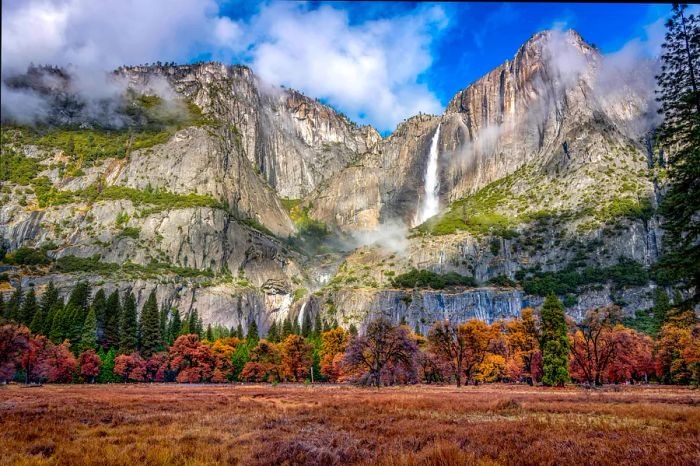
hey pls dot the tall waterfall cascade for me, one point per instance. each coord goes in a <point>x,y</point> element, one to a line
<point>430,204</point>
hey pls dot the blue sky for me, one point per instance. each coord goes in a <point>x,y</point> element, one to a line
<point>377,62</point>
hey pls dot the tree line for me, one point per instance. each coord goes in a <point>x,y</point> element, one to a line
<point>102,338</point>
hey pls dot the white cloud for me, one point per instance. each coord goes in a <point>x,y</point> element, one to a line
<point>369,70</point>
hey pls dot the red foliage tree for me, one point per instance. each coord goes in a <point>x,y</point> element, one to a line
<point>14,342</point>
<point>90,364</point>
<point>191,359</point>
<point>382,350</point>
<point>157,367</point>
<point>55,363</point>
<point>131,367</point>
<point>634,359</point>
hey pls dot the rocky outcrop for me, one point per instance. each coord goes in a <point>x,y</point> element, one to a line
<point>294,141</point>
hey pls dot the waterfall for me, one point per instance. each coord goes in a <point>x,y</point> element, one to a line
<point>301,314</point>
<point>431,202</point>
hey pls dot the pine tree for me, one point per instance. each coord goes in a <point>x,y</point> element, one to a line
<point>113,313</point>
<point>2,307</point>
<point>49,303</point>
<point>72,322</point>
<point>99,306</point>
<point>29,307</point>
<point>352,330</point>
<point>679,97</point>
<point>164,314</point>
<point>192,320</point>
<point>318,326</point>
<point>252,336</point>
<point>175,327</point>
<point>209,333</point>
<point>128,330</point>
<point>200,327</point>
<point>306,327</point>
<point>88,337</point>
<point>555,343</point>
<point>57,332</point>
<point>661,307</point>
<point>273,333</point>
<point>296,328</point>
<point>80,298</point>
<point>287,328</point>
<point>14,305</point>
<point>239,331</point>
<point>151,339</point>
<point>38,321</point>
<point>417,331</point>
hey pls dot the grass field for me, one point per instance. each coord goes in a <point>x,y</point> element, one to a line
<point>230,424</point>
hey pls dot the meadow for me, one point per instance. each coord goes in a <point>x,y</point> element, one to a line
<point>120,424</point>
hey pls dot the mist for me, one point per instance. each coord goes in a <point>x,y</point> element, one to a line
<point>82,97</point>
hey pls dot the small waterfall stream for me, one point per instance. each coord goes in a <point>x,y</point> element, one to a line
<point>430,204</point>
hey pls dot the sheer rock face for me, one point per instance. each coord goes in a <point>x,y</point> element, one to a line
<point>294,141</point>
<point>556,108</point>
<point>556,103</point>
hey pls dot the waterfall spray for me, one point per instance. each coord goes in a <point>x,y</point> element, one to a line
<point>431,202</point>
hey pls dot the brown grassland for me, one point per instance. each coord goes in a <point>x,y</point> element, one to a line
<point>294,424</point>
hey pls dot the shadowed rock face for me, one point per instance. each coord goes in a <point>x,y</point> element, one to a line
<point>294,141</point>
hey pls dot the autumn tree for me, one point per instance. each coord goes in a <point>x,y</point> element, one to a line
<point>131,367</point>
<point>554,343</point>
<point>90,364</point>
<point>191,359</point>
<point>264,364</point>
<point>476,336</point>
<point>595,343</point>
<point>14,341</point>
<point>334,342</point>
<point>382,345</point>
<point>679,97</point>
<point>56,363</point>
<point>448,344</point>
<point>223,350</point>
<point>296,355</point>
<point>522,337</point>
<point>634,358</point>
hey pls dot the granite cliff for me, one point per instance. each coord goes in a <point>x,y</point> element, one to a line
<point>262,203</point>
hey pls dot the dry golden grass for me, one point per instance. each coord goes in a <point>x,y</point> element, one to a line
<point>231,424</point>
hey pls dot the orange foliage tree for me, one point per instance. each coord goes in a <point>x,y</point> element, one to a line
<point>334,342</point>
<point>297,357</point>
<point>264,365</point>
<point>522,338</point>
